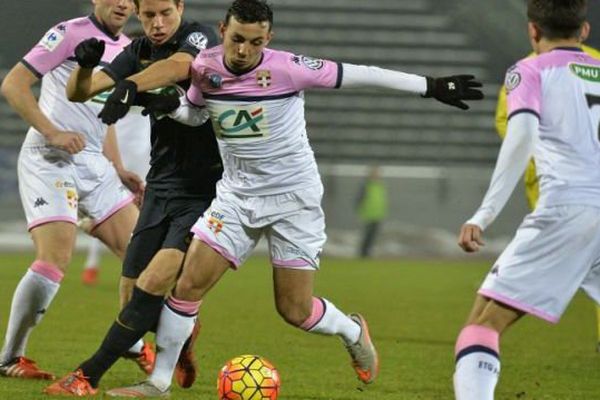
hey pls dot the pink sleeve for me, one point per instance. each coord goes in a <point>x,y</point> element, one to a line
<point>523,89</point>
<point>194,93</point>
<point>306,72</point>
<point>51,51</point>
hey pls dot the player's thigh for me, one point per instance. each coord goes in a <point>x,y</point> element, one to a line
<point>54,242</point>
<point>115,232</point>
<point>492,314</point>
<point>162,271</point>
<point>547,261</point>
<point>47,188</point>
<point>225,228</point>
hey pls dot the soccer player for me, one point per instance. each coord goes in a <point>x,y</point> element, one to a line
<point>63,170</point>
<point>554,113</point>
<point>532,187</point>
<point>271,185</point>
<point>185,166</point>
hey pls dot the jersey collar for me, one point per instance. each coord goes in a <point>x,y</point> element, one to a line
<point>102,28</point>
<point>568,48</point>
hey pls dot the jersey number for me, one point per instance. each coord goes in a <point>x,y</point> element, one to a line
<point>592,101</point>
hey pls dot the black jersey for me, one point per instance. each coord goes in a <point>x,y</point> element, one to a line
<point>183,158</point>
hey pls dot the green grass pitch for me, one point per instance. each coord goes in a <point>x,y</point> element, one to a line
<point>415,310</point>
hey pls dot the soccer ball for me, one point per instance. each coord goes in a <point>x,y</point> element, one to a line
<point>248,377</point>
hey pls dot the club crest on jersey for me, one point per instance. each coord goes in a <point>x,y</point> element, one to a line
<point>198,40</point>
<point>513,79</point>
<point>263,78</point>
<point>586,72</point>
<point>215,81</point>
<point>52,38</point>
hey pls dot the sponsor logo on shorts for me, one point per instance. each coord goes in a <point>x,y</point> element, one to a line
<point>39,202</point>
<point>215,221</point>
<point>63,184</point>
<point>495,270</point>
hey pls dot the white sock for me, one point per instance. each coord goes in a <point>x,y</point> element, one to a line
<point>326,319</point>
<point>477,363</point>
<point>137,347</point>
<point>94,253</point>
<point>173,331</point>
<point>31,298</point>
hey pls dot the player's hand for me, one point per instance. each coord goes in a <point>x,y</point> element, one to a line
<point>470,238</point>
<point>452,90</point>
<point>132,182</point>
<point>71,142</point>
<point>89,52</point>
<point>158,104</point>
<point>118,103</point>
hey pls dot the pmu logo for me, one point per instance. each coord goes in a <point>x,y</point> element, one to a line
<point>234,122</point>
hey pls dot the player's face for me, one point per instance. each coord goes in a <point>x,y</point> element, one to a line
<point>160,19</point>
<point>113,13</point>
<point>243,43</point>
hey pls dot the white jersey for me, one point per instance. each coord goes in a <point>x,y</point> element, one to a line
<point>562,88</point>
<point>53,59</point>
<point>258,118</point>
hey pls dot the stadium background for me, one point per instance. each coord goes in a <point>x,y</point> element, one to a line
<point>436,160</point>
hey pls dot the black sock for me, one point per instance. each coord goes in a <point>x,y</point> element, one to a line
<point>138,316</point>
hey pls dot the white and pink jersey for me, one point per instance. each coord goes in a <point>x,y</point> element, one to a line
<point>562,89</point>
<point>53,59</point>
<point>258,118</point>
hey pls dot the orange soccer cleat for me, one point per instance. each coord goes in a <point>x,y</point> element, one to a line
<point>365,360</point>
<point>144,359</point>
<point>74,384</point>
<point>89,276</point>
<point>186,367</point>
<point>21,367</point>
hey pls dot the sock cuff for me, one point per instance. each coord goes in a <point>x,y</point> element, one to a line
<point>183,307</point>
<point>477,338</point>
<point>318,310</point>
<point>47,270</point>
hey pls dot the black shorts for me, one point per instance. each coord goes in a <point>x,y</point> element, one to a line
<point>164,223</point>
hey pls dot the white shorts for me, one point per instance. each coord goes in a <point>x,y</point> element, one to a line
<point>555,251</point>
<point>133,138</point>
<point>293,223</point>
<point>57,187</point>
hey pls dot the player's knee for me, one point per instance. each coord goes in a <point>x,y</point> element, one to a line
<point>157,281</point>
<point>60,258</point>
<point>293,312</point>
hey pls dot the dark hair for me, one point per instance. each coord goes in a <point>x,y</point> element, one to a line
<point>558,19</point>
<point>137,3</point>
<point>250,11</point>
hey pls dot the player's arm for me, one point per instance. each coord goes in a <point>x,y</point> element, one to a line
<point>111,151</point>
<point>515,152</point>
<point>164,72</point>
<point>451,90</point>
<point>17,89</point>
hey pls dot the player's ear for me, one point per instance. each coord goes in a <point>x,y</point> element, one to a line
<point>180,7</point>
<point>585,31</point>
<point>222,28</point>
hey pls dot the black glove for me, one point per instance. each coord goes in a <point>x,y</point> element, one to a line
<point>89,52</point>
<point>157,104</point>
<point>119,101</point>
<point>453,89</point>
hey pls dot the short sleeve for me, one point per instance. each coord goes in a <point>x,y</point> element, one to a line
<point>52,50</point>
<point>523,89</point>
<point>306,72</point>
<point>197,38</point>
<point>124,64</point>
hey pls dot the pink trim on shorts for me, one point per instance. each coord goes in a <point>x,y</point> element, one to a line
<point>318,310</point>
<point>114,210</point>
<point>199,235</point>
<point>291,263</point>
<point>519,306</point>
<point>184,306</point>
<point>473,335</point>
<point>47,270</point>
<point>44,221</point>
